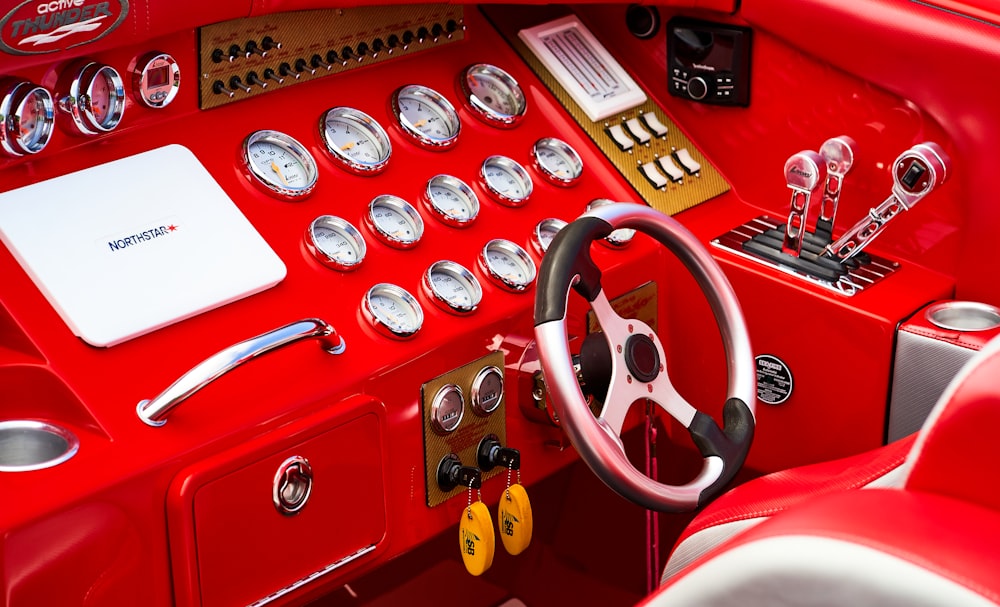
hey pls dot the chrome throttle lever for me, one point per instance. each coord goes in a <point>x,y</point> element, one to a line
<point>803,172</point>
<point>838,152</point>
<point>915,173</point>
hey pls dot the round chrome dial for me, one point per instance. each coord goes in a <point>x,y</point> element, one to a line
<point>507,265</point>
<point>451,201</point>
<point>451,287</point>
<point>355,140</point>
<point>94,97</point>
<point>447,409</point>
<point>487,390</point>
<point>493,95</point>
<point>557,161</point>
<point>621,236</point>
<point>280,165</point>
<point>156,78</point>
<point>506,181</point>
<point>27,116</point>
<point>335,243</point>
<point>394,221</point>
<point>392,311</point>
<point>426,116</point>
<point>545,230</point>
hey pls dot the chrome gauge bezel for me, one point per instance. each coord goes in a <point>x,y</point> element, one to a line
<point>498,275</point>
<point>436,103</point>
<point>156,78</point>
<point>462,191</point>
<point>445,417</point>
<point>378,319</point>
<point>545,230</point>
<point>548,148</point>
<point>456,272</point>
<point>410,231</point>
<point>503,166</point>
<point>484,403</point>
<point>343,228</point>
<point>487,109</point>
<point>16,100</point>
<point>266,180</point>
<point>76,93</point>
<point>368,130</point>
<point>618,238</point>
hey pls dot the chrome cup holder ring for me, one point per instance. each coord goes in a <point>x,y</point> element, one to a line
<point>27,445</point>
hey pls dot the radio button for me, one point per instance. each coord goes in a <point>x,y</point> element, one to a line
<point>697,88</point>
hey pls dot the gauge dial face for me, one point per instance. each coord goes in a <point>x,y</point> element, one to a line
<point>557,161</point>
<point>621,236</point>
<point>451,201</point>
<point>545,230</point>
<point>506,181</point>
<point>493,95</point>
<point>30,115</point>
<point>394,221</point>
<point>507,265</point>
<point>426,116</point>
<point>487,390</point>
<point>280,164</point>
<point>392,311</point>
<point>335,243</point>
<point>447,409</point>
<point>94,96</point>
<point>355,140</point>
<point>156,78</point>
<point>452,287</point>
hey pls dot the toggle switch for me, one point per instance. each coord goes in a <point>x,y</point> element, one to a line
<point>491,454</point>
<point>451,473</point>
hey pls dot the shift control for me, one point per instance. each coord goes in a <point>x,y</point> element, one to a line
<point>838,153</point>
<point>803,172</point>
<point>451,473</point>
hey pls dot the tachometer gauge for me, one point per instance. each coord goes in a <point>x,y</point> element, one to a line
<point>355,140</point>
<point>394,221</point>
<point>335,243</point>
<point>621,236</point>
<point>27,115</point>
<point>94,97</point>
<point>451,201</point>
<point>280,165</point>
<point>557,161</point>
<point>492,95</point>
<point>506,181</point>
<point>392,311</point>
<point>451,287</point>
<point>426,116</point>
<point>507,265</point>
<point>545,230</point>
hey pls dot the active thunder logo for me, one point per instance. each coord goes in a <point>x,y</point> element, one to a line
<point>48,26</point>
<point>139,238</point>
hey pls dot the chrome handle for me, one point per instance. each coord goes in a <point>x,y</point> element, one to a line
<point>154,412</point>
<point>292,485</point>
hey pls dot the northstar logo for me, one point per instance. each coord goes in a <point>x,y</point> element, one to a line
<point>140,237</point>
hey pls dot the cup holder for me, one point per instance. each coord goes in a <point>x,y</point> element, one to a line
<point>33,445</point>
<point>964,316</point>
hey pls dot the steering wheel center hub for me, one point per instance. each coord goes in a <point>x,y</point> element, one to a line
<point>642,358</point>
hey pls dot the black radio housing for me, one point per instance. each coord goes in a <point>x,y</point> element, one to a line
<point>708,62</point>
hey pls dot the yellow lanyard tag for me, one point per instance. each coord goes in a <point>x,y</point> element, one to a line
<point>515,519</point>
<point>476,538</point>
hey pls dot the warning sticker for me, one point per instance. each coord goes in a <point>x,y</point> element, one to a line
<point>774,380</point>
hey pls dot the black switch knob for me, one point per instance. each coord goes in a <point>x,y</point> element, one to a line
<point>451,473</point>
<point>491,454</point>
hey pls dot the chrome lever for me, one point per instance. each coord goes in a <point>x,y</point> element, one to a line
<point>838,152</point>
<point>915,173</point>
<point>154,412</point>
<point>803,171</point>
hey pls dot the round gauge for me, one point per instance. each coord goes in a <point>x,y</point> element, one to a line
<point>451,201</point>
<point>545,230</point>
<point>28,114</point>
<point>507,265</point>
<point>355,140</point>
<point>94,96</point>
<point>394,221</point>
<point>493,95</point>
<point>487,390</point>
<point>426,116</point>
<point>392,311</point>
<point>621,236</point>
<point>557,161</point>
<point>506,181</point>
<point>156,78</point>
<point>447,409</point>
<point>335,243</point>
<point>280,164</point>
<point>452,287</point>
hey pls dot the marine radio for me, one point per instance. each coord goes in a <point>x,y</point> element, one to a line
<point>708,62</point>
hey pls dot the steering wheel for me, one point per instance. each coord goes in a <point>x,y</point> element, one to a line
<point>637,361</point>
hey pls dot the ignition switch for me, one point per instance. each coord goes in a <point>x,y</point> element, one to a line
<point>492,454</point>
<point>451,473</point>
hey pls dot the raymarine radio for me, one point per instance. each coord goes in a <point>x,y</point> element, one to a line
<point>708,62</point>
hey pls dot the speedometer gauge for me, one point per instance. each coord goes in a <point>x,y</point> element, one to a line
<point>394,221</point>
<point>493,95</point>
<point>426,117</point>
<point>27,115</point>
<point>507,265</point>
<point>557,161</point>
<point>451,201</point>
<point>280,165</point>
<point>545,230</point>
<point>335,243</point>
<point>355,140</point>
<point>451,287</point>
<point>619,237</point>
<point>392,311</point>
<point>506,181</point>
